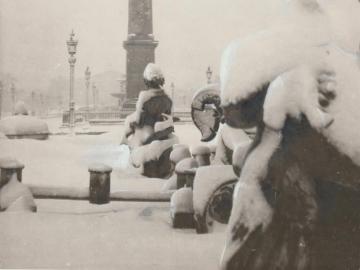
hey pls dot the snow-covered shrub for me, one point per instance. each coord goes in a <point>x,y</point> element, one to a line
<point>19,126</point>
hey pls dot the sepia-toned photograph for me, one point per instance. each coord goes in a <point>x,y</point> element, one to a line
<point>180,135</point>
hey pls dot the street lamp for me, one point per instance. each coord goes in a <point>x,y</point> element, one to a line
<point>94,94</point>
<point>209,74</point>
<point>12,89</point>
<point>172,86</point>
<point>1,91</point>
<point>71,46</point>
<point>33,103</point>
<point>87,84</point>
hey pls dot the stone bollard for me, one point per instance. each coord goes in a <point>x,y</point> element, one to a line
<point>202,155</point>
<point>8,167</point>
<point>99,189</point>
<point>185,171</point>
<point>181,208</point>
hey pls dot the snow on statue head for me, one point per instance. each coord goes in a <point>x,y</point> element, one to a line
<point>20,108</point>
<point>153,76</point>
<point>303,142</point>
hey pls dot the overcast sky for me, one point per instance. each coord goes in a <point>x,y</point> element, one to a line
<point>191,34</point>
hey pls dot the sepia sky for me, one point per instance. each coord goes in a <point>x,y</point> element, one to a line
<point>191,35</point>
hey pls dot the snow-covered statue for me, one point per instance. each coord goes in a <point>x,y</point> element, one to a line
<point>207,116</point>
<point>295,202</point>
<point>149,130</point>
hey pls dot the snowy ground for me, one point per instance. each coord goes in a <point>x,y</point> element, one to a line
<point>122,235</point>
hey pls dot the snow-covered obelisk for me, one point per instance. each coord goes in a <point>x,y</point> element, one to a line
<point>140,49</point>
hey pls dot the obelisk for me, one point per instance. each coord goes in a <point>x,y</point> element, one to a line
<point>140,48</point>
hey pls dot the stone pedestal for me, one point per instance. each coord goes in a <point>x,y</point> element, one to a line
<point>99,189</point>
<point>140,45</point>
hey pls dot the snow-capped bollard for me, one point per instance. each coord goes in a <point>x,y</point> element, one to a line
<point>181,208</point>
<point>202,155</point>
<point>99,189</point>
<point>185,171</point>
<point>8,167</point>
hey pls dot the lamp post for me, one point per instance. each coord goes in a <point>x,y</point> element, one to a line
<point>209,74</point>
<point>87,84</point>
<point>172,86</point>
<point>1,91</point>
<point>32,103</point>
<point>94,95</point>
<point>13,98</point>
<point>71,46</point>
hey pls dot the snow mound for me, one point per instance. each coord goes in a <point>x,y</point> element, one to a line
<point>23,125</point>
<point>182,201</point>
<point>20,108</point>
<point>113,155</point>
<point>16,196</point>
<point>179,153</point>
<point>200,150</point>
<point>152,72</point>
<point>152,151</point>
<point>293,94</point>
<point>248,63</point>
<point>207,180</point>
<point>231,137</point>
<point>2,136</point>
<point>186,165</point>
<point>170,184</point>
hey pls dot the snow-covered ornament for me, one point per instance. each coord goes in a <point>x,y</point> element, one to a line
<point>152,72</point>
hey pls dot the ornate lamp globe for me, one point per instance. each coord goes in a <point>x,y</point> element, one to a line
<point>71,44</point>
<point>209,74</point>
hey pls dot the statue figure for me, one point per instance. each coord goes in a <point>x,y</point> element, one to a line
<point>294,204</point>
<point>295,201</point>
<point>149,130</point>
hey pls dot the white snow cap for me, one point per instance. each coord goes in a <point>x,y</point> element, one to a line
<point>200,150</point>
<point>179,153</point>
<point>249,63</point>
<point>186,165</point>
<point>20,108</point>
<point>182,201</point>
<point>152,72</point>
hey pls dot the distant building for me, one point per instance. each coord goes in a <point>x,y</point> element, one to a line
<point>140,48</point>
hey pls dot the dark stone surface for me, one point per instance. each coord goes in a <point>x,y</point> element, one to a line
<point>314,192</point>
<point>140,45</point>
<point>183,221</point>
<point>99,188</point>
<point>160,168</point>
